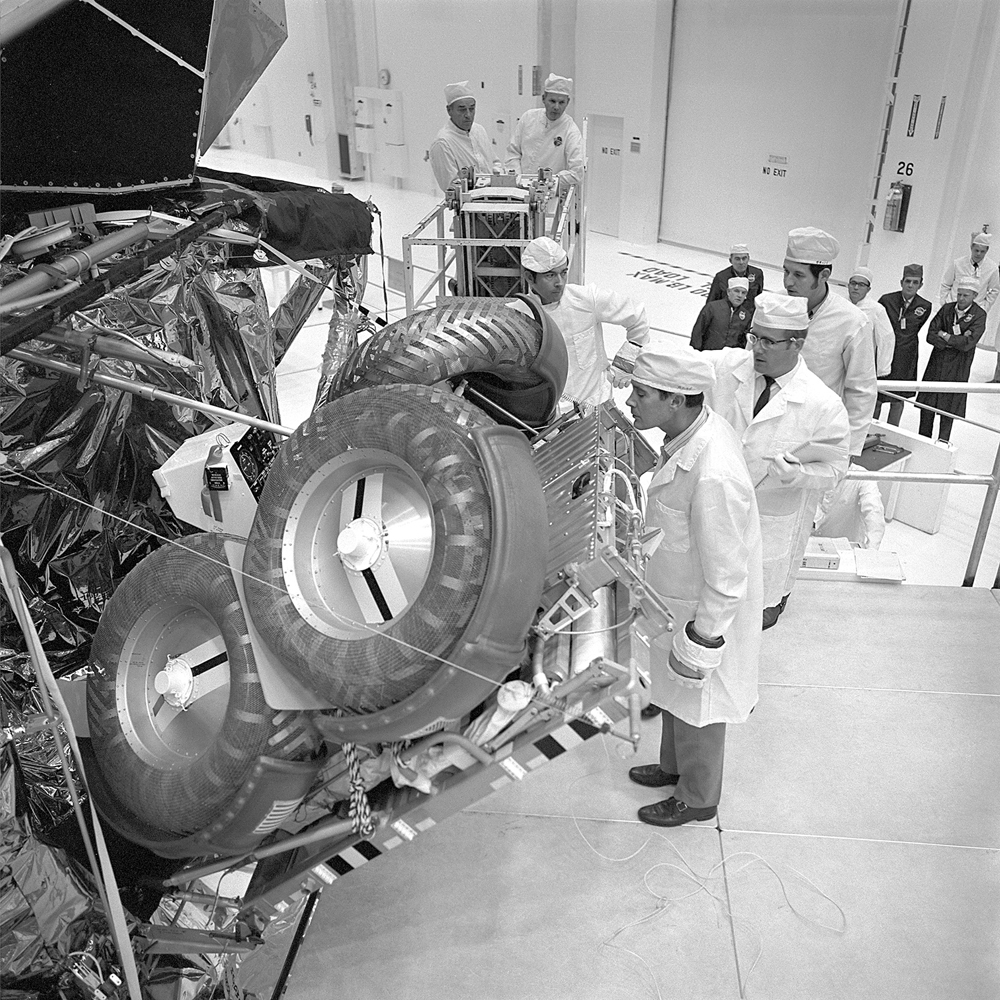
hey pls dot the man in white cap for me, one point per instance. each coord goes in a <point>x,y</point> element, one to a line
<point>578,312</point>
<point>548,137</point>
<point>858,286</point>
<point>987,277</point>
<point>707,568</point>
<point>461,143</point>
<point>794,431</point>
<point>739,267</point>
<point>953,332</point>
<point>974,265</point>
<point>724,322</point>
<point>839,349</point>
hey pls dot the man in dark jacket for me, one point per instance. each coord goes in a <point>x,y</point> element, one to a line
<point>954,332</point>
<point>739,267</point>
<point>907,313</point>
<point>724,323</point>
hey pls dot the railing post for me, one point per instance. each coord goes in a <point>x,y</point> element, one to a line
<point>408,274</point>
<point>985,516</point>
<point>442,252</point>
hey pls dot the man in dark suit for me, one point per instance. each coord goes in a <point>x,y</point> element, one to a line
<point>739,267</point>
<point>954,332</point>
<point>908,312</point>
<point>724,323</point>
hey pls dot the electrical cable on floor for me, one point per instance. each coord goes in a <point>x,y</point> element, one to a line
<point>717,871</point>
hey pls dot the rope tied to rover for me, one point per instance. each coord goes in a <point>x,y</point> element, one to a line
<point>360,810</point>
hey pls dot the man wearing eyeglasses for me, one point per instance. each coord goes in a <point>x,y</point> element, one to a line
<point>795,433</point>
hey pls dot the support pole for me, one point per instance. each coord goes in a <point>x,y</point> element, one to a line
<point>985,516</point>
<point>149,392</point>
<point>38,322</point>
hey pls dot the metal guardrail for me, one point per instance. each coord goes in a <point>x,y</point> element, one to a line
<point>563,229</point>
<point>991,481</point>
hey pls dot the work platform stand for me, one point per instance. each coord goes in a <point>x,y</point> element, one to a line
<point>492,217</point>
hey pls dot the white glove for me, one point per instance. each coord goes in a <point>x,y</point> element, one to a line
<point>785,468</point>
<point>618,378</point>
<point>691,664</point>
<point>680,673</point>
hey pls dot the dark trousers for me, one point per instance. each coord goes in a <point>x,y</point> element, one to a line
<point>895,412</point>
<point>927,425</point>
<point>696,753</point>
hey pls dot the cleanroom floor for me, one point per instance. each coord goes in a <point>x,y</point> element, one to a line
<point>857,851</point>
<point>856,855</point>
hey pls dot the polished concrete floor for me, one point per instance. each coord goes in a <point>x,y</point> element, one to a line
<point>856,854</point>
<point>857,849</point>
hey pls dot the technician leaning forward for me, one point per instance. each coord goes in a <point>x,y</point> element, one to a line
<point>579,311</point>
<point>707,568</point>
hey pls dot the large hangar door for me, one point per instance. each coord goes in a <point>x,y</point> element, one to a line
<point>774,120</point>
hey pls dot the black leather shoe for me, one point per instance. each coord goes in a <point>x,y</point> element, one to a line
<point>670,812</point>
<point>770,617</point>
<point>651,776</point>
<point>651,711</point>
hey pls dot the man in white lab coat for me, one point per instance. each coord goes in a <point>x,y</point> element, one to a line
<point>975,265</point>
<point>987,277</point>
<point>578,311</point>
<point>461,143</point>
<point>858,286</point>
<point>853,510</point>
<point>839,350</point>
<point>707,568</point>
<point>794,431</point>
<point>548,137</point>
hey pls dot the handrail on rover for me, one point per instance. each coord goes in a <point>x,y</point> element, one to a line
<point>564,230</point>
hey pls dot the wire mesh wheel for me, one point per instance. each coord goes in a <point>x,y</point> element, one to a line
<point>176,712</point>
<point>371,543</point>
<point>502,352</point>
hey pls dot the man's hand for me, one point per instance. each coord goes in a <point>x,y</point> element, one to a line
<point>785,468</point>
<point>683,669</point>
<point>618,378</point>
<point>684,675</point>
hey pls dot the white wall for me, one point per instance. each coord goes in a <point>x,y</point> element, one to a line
<point>622,62</point>
<point>950,50</point>
<point>271,120</point>
<point>774,78</point>
<point>425,44</point>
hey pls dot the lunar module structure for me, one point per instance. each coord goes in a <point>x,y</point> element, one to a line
<point>433,575</point>
<point>351,629</point>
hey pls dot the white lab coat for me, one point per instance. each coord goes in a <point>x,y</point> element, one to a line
<point>881,333</point>
<point>579,314</point>
<point>854,511</point>
<point>987,275</point>
<point>454,148</point>
<point>804,411</point>
<point>841,354</point>
<point>536,142</point>
<point>707,568</point>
